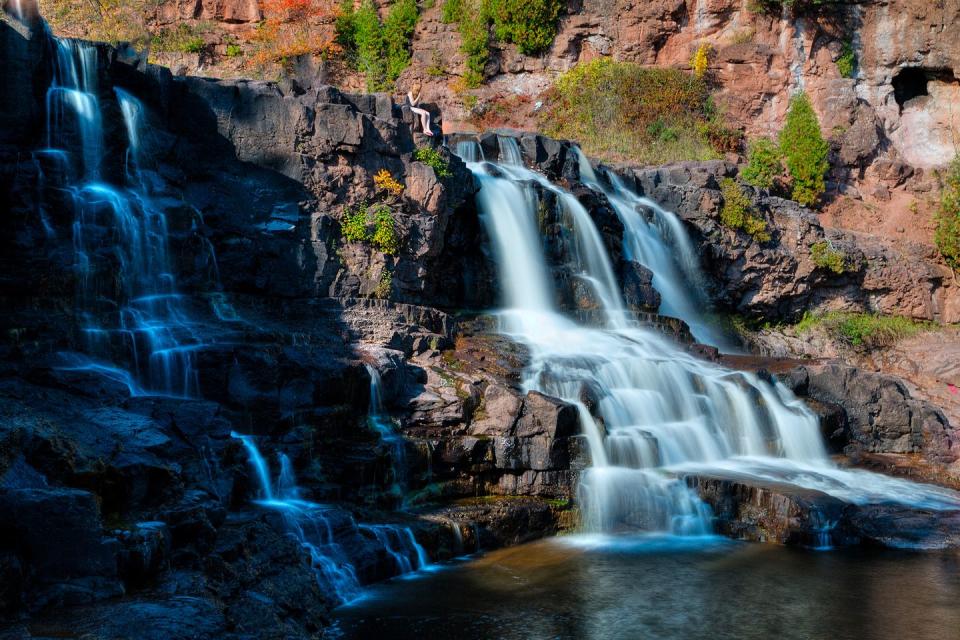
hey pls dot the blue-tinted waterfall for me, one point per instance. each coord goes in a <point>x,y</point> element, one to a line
<point>380,422</point>
<point>316,527</point>
<point>659,412</point>
<point>133,322</point>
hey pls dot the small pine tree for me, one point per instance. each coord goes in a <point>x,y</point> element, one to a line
<point>805,151</point>
<point>947,235</point>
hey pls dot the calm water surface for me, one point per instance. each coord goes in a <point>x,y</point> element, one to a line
<point>661,588</point>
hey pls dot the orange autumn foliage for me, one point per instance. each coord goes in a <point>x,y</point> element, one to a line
<point>292,28</point>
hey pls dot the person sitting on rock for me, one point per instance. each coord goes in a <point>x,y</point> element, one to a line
<point>423,113</point>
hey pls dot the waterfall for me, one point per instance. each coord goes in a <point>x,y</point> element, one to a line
<point>657,412</point>
<point>380,422</point>
<point>314,527</point>
<point>661,244</point>
<point>126,294</point>
<point>305,522</point>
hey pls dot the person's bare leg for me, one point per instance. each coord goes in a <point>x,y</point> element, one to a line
<point>424,119</point>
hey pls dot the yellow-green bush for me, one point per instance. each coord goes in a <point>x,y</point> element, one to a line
<point>866,330</point>
<point>737,212</point>
<point>624,111</point>
<point>947,235</point>
<point>764,164</point>
<point>826,257</point>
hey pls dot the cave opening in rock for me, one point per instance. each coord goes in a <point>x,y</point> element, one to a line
<point>912,82</point>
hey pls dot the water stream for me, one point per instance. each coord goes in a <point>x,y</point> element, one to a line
<point>650,411</point>
<point>133,321</point>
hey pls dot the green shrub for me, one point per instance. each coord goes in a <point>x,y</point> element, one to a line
<point>384,235</point>
<point>529,24</point>
<point>473,23</point>
<point>866,330</point>
<point>847,62</point>
<point>434,159</point>
<point>354,226</point>
<point>826,257</point>
<point>624,111</point>
<point>805,151</point>
<point>398,31</point>
<point>183,38</point>
<point>764,164</point>
<point>381,51</point>
<point>234,51</point>
<point>384,286</point>
<point>947,234</point>
<point>737,212</point>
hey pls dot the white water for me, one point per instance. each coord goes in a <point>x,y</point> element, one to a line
<point>126,293</point>
<point>312,526</point>
<point>658,411</point>
<point>379,421</point>
<point>659,242</point>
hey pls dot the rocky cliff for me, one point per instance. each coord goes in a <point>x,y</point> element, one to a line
<point>147,501</point>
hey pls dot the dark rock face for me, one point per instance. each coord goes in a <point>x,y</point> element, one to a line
<point>879,414</point>
<point>784,514</point>
<point>779,279</point>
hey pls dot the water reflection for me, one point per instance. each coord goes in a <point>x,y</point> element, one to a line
<point>653,588</point>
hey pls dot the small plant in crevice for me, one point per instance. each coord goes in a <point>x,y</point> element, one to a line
<point>371,224</point>
<point>826,257</point>
<point>384,235</point>
<point>434,159</point>
<point>384,286</point>
<point>947,233</point>
<point>737,212</point>
<point>384,180</point>
<point>700,61</point>
<point>847,62</point>
<point>354,225</point>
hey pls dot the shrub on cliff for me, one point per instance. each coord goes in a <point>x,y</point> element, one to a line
<point>380,50</point>
<point>805,151</point>
<point>529,24</point>
<point>292,28</point>
<point>737,212</point>
<point>433,158</point>
<point>106,20</point>
<point>764,164</point>
<point>826,257</point>
<point>947,235</point>
<point>624,111</point>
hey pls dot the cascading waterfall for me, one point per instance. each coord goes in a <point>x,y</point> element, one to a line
<point>126,294</point>
<point>658,412</point>
<point>380,422</point>
<point>659,242</point>
<point>312,526</point>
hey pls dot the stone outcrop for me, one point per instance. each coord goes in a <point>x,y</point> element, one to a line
<point>779,279</point>
<point>880,414</point>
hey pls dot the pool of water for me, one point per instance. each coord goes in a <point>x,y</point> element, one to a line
<point>668,588</point>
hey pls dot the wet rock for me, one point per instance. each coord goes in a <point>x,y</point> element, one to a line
<point>71,562</point>
<point>773,512</point>
<point>880,414</point>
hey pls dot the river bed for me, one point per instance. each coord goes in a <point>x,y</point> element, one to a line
<point>667,588</point>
